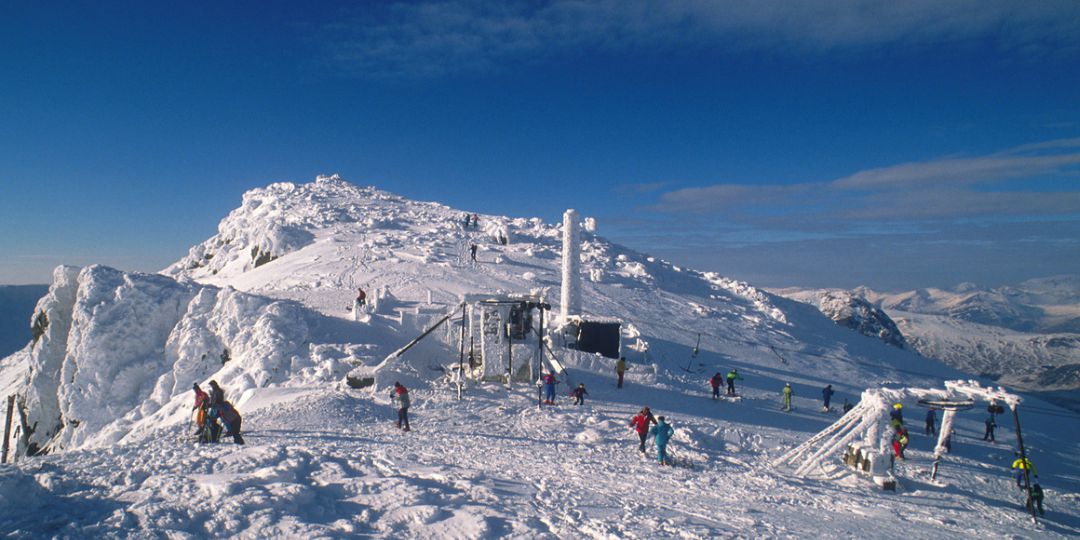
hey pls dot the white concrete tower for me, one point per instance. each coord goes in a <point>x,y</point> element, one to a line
<point>570,297</point>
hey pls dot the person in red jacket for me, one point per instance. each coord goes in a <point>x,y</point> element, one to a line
<point>640,423</point>
<point>716,381</point>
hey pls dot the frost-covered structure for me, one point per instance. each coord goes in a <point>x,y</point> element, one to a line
<point>570,297</point>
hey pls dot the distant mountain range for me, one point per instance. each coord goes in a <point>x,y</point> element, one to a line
<point>1025,335</point>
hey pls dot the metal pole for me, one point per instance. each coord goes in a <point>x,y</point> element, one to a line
<point>7,426</point>
<point>540,355</point>
<point>461,355</point>
<point>509,355</point>
<point>1024,461</point>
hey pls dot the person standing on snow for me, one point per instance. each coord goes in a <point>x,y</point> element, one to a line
<point>202,401</point>
<point>990,425</point>
<point>549,389</point>
<point>787,397</point>
<point>579,394</point>
<point>930,422</point>
<point>400,395</point>
<point>715,382</point>
<point>472,251</point>
<point>640,422</point>
<point>826,396</point>
<point>232,420</point>
<point>896,416</point>
<point>620,369</point>
<point>731,376</point>
<point>663,432</point>
<point>1037,497</point>
<point>1021,465</point>
<point>900,441</point>
<point>361,298</point>
<point>217,398</point>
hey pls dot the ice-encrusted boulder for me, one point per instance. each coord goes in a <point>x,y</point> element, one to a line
<point>120,346</point>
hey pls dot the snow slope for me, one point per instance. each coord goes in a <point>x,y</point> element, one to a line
<point>324,460</point>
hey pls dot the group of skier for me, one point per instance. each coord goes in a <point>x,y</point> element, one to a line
<point>661,432</point>
<point>214,414</point>
<point>717,380</point>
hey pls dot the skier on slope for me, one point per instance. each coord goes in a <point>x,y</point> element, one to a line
<point>549,389</point>
<point>930,422</point>
<point>900,441</point>
<point>400,396</point>
<point>715,382</point>
<point>731,376</point>
<point>1021,465</point>
<point>1037,497</point>
<point>663,432</point>
<point>826,396</point>
<point>472,251</point>
<point>787,397</point>
<point>620,370</point>
<point>579,394</point>
<point>640,422</point>
<point>990,425</point>
<point>896,416</point>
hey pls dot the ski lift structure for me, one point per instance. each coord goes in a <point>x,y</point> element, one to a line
<point>862,438</point>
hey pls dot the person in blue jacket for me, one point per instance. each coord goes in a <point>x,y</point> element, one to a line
<point>826,396</point>
<point>663,432</point>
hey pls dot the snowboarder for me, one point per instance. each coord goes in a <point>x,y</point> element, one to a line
<point>232,420</point>
<point>731,376</point>
<point>620,369</point>
<point>663,432</point>
<point>640,422</point>
<point>896,416</point>
<point>787,397</point>
<point>472,251</point>
<point>930,422</point>
<point>826,396</point>
<point>991,423</point>
<point>400,395</point>
<point>1037,497</point>
<point>549,389</point>
<point>579,394</point>
<point>716,381</point>
<point>1021,465</point>
<point>900,441</point>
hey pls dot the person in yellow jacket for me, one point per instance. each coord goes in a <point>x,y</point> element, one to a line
<point>787,397</point>
<point>620,369</point>
<point>1020,465</point>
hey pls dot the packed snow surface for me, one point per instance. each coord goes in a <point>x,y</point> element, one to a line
<point>106,391</point>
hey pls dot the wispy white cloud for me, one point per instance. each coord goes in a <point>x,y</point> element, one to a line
<point>431,38</point>
<point>943,188</point>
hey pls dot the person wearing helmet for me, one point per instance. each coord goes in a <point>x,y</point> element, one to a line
<point>896,416</point>
<point>787,397</point>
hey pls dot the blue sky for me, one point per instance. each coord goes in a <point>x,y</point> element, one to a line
<point>839,143</point>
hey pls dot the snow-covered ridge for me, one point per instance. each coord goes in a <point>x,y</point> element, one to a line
<point>854,312</point>
<point>120,347</point>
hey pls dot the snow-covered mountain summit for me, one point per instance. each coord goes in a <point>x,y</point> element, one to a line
<point>265,308</point>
